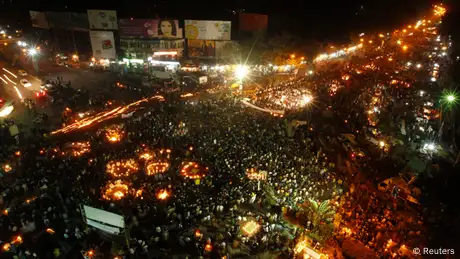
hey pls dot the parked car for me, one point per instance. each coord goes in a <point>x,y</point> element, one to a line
<point>25,83</point>
<point>22,73</point>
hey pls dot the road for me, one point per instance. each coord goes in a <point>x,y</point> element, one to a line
<point>11,86</point>
<point>12,90</point>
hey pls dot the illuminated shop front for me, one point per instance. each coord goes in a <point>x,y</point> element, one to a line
<point>164,49</point>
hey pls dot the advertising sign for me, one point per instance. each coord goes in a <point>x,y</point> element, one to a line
<point>155,45</point>
<point>103,44</point>
<point>39,19</point>
<point>68,21</point>
<point>202,48</point>
<point>150,28</point>
<point>208,30</point>
<point>226,49</point>
<point>103,19</point>
<point>253,22</point>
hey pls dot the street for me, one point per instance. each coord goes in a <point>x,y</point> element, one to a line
<point>12,90</point>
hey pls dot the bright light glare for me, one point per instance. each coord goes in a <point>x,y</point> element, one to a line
<point>241,72</point>
<point>33,52</point>
<point>6,111</point>
<point>450,98</point>
<point>429,147</point>
<point>433,79</point>
<point>419,65</point>
<point>306,100</point>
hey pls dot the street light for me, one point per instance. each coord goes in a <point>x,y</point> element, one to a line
<point>33,52</point>
<point>450,98</point>
<point>241,72</point>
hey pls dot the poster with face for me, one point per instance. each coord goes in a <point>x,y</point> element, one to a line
<point>150,28</point>
<point>167,29</point>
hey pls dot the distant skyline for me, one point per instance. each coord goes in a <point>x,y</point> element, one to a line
<point>319,20</point>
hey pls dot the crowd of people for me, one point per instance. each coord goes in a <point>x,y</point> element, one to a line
<point>203,175</point>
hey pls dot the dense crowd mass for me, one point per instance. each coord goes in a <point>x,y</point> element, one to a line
<point>206,175</point>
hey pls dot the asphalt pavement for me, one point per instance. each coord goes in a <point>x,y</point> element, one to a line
<point>12,90</point>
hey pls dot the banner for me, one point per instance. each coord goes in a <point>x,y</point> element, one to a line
<point>103,216</point>
<point>226,49</point>
<point>201,48</point>
<point>103,44</point>
<point>154,45</point>
<point>103,19</point>
<point>253,22</point>
<point>39,20</point>
<point>103,220</point>
<point>68,21</point>
<point>150,28</point>
<point>208,30</point>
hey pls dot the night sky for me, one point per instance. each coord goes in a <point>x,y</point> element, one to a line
<point>318,20</point>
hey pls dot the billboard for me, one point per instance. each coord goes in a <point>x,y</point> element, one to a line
<point>39,19</point>
<point>103,44</point>
<point>102,20</point>
<point>201,48</point>
<point>155,45</point>
<point>253,22</point>
<point>226,49</point>
<point>208,30</point>
<point>150,28</point>
<point>69,21</point>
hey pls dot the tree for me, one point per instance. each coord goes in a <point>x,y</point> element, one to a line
<point>321,218</point>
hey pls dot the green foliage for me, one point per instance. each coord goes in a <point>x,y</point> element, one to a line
<point>321,216</point>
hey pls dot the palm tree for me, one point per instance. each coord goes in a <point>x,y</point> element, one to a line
<point>317,217</point>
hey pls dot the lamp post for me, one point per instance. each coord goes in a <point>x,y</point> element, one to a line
<point>240,73</point>
<point>449,99</point>
<point>32,52</point>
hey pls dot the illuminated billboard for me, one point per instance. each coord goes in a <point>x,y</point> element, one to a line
<point>201,48</point>
<point>103,44</point>
<point>208,30</point>
<point>150,28</point>
<point>103,19</point>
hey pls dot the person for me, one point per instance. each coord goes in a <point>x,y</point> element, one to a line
<point>210,50</point>
<point>167,28</point>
